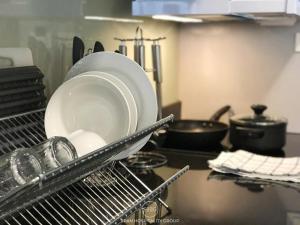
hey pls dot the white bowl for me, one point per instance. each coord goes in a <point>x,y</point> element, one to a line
<point>134,77</point>
<point>125,90</point>
<point>86,141</point>
<point>90,103</point>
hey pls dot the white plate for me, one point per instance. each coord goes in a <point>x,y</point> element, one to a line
<point>134,77</point>
<point>125,90</point>
<point>90,103</point>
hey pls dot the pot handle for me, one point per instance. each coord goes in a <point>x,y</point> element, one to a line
<point>250,132</point>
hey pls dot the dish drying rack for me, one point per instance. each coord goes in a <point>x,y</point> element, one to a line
<point>89,190</point>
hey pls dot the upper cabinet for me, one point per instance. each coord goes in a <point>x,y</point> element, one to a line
<point>179,7</point>
<point>265,6</point>
<point>243,9</point>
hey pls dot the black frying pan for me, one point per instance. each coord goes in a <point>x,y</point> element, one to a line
<point>196,134</point>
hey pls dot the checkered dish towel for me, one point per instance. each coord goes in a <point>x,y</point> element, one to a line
<point>247,164</point>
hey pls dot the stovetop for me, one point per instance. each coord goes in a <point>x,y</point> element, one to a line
<point>205,197</point>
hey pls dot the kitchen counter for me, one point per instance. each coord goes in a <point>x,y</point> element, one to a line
<point>203,197</point>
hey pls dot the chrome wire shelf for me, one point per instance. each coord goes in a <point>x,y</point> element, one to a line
<point>23,130</point>
<point>87,191</point>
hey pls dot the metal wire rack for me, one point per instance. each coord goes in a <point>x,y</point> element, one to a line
<point>86,191</point>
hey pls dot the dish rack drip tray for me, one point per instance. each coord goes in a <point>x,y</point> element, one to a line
<point>89,190</point>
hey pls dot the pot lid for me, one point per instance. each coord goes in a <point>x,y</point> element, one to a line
<point>258,118</point>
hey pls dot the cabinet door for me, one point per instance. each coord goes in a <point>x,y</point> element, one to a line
<point>258,6</point>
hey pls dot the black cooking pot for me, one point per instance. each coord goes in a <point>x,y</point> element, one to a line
<point>257,132</point>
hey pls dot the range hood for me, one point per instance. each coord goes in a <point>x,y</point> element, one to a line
<point>267,11</point>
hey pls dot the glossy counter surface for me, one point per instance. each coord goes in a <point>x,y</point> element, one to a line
<point>201,197</point>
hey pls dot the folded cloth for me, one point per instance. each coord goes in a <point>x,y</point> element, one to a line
<point>251,165</point>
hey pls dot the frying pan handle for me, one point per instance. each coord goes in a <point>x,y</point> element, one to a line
<point>250,132</point>
<point>217,115</point>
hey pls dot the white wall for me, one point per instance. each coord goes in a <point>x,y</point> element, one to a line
<point>47,28</point>
<point>239,64</point>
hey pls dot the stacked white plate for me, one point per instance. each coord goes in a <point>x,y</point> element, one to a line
<point>106,97</point>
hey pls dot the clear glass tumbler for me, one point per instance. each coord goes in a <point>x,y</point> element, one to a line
<point>55,152</point>
<point>18,168</point>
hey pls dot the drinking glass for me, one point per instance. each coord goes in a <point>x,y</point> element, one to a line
<point>17,168</point>
<point>55,152</point>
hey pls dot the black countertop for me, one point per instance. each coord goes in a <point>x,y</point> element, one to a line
<point>202,197</point>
